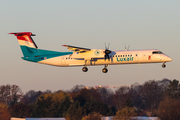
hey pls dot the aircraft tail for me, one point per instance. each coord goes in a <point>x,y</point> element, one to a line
<point>27,44</point>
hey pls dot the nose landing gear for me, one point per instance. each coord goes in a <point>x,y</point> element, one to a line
<point>163,65</point>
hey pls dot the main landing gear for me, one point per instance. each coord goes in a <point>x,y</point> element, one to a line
<point>105,70</point>
<point>84,69</point>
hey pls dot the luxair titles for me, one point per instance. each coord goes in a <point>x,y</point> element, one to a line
<point>125,59</point>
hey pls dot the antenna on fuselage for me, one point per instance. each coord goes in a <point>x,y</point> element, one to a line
<point>127,49</point>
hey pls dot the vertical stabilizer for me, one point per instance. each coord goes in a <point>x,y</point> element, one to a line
<point>27,44</point>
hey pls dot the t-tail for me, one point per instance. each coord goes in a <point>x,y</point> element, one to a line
<point>31,51</point>
<point>27,44</point>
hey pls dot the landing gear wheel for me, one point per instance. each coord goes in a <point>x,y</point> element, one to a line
<point>163,65</point>
<point>84,69</point>
<point>104,70</point>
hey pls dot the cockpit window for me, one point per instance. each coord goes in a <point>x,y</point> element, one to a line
<point>157,52</point>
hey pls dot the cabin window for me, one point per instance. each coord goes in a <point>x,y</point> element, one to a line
<point>157,52</point>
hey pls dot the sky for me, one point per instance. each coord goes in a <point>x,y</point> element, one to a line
<point>153,24</point>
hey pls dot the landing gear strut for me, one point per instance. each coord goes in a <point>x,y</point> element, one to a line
<point>85,69</point>
<point>105,70</point>
<point>163,65</point>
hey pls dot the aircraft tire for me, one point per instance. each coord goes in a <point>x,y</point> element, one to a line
<point>104,70</point>
<point>84,69</point>
<point>163,65</point>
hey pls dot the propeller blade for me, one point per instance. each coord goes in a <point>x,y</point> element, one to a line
<point>108,57</point>
<point>107,51</point>
<point>108,45</point>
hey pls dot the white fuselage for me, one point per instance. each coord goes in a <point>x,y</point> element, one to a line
<point>96,57</point>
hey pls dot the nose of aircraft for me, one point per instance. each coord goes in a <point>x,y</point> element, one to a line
<point>169,59</point>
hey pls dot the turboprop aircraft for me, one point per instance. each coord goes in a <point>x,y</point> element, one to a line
<point>78,56</point>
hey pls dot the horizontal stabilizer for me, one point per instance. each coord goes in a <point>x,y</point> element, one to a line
<point>25,39</point>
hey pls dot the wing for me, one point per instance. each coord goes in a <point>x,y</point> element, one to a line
<point>77,49</point>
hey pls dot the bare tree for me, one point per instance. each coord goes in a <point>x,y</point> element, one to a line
<point>169,109</point>
<point>151,94</point>
<point>106,95</point>
<point>10,94</point>
<point>121,96</point>
<point>173,90</point>
<point>31,96</point>
<point>77,88</point>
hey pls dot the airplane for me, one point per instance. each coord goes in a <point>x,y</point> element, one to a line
<point>78,56</point>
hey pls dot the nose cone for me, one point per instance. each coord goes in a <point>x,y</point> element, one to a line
<point>169,59</point>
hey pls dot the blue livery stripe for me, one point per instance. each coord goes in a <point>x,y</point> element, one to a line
<point>36,55</point>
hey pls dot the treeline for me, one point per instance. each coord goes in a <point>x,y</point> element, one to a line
<point>153,98</point>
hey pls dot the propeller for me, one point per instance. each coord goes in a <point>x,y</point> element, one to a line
<point>107,52</point>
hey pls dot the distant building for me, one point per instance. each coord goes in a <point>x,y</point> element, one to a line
<point>18,119</point>
<point>102,118</point>
<point>133,118</point>
<point>107,118</point>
